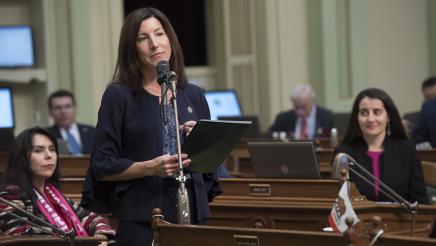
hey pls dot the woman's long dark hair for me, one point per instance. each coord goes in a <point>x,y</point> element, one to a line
<point>396,127</point>
<point>128,69</point>
<point>18,170</point>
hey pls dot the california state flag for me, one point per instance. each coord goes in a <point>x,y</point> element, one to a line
<point>341,210</point>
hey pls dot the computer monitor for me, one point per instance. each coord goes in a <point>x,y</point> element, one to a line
<point>6,108</point>
<point>16,46</point>
<point>223,103</point>
<point>7,121</point>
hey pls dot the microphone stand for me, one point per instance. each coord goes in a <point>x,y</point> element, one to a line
<point>164,90</point>
<point>182,196</point>
<point>68,236</point>
<point>410,207</point>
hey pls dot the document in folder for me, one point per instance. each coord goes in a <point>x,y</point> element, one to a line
<point>211,141</point>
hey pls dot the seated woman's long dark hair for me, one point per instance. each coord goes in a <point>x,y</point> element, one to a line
<point>18,170</point>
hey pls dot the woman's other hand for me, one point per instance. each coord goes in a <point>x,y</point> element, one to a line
<point>101,237</point>
<point>188,126</point>
<point>167,165</point>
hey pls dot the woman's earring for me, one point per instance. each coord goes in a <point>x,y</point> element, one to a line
<point>389,129</point>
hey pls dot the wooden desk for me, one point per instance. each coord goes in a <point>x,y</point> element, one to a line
<point>304,205</point>
<point>313,216</point>
<point>429,172</point>
<point>292,205</point>
<point>243,190</point>
<point>193,235</point>
<point>47,241</point>
<point>283,190</point>
<point>74,166</point>
<point>196,235</point>
<point>72,187</point>
<point>427,155</point>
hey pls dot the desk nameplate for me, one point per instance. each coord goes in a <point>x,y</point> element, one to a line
<point>245,240</point>
<point>260,189</point>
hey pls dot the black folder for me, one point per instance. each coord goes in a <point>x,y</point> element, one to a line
<point>211,141</point>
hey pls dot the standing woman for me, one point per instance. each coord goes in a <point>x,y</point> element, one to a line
<point>134,158</point>
<point>31,180</point>
<point>376,139</point>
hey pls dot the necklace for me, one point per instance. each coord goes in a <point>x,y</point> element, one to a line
<point>158,94</point>
<point>152,93</point>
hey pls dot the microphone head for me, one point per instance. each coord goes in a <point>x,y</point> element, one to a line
<point>342,160</point>
<point>172,76</point>
<point>162,69</point>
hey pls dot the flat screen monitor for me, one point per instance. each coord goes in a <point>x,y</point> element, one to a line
<point>223,103</point>
<point>6,108</point>
<point>16,46</point>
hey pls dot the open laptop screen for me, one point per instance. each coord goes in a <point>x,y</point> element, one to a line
<point>223,103</point>
<point>292,160</point>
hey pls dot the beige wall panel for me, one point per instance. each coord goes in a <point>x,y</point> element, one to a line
<point>292,47</point>
<point>397,49</point>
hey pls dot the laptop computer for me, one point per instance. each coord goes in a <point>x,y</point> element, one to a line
<point>253,131</point>
<point>286,160</point>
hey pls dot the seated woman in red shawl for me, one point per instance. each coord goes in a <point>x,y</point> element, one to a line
<point>31,180</point>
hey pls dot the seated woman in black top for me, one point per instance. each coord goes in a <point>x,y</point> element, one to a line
<point>376,139</point>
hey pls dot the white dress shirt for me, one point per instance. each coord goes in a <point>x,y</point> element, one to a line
<point>74,130</point>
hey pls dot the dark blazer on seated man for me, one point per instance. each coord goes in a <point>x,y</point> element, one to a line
<point>425,130</point>
<point>287,121</point>
<point>86,133</point>
<point>306,120</point>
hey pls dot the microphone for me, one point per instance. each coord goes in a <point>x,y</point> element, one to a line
<point>163,71</point>
<point>343,160</point>
<point>69,236</point>
<point>172,81</point>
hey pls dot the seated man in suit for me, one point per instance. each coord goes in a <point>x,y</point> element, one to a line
<point>428,89</point>
<point>307,120</point>
<point>62,108</point>
<point>424,134</point>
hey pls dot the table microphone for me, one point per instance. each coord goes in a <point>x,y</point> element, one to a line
<point>34,220</point>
